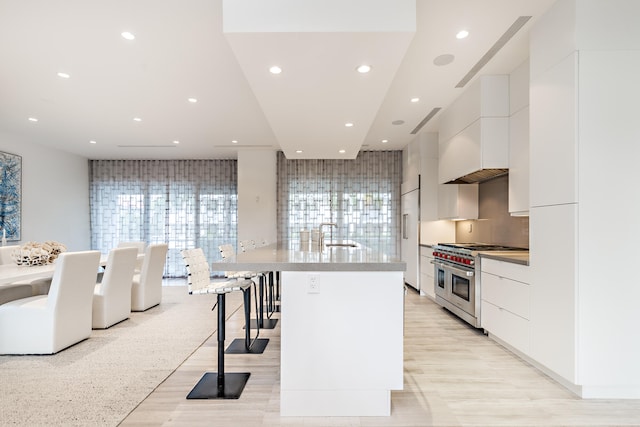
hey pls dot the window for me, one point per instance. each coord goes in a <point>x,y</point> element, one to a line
<point>362,196</point>
<point>185,203</point>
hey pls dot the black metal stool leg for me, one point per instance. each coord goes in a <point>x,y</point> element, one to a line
<point>248,346</point>
<point>261,322</point>
<point>220,385</point>
<point>272,307</point>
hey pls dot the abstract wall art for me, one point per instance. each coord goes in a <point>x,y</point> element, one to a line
<point>10,195</point>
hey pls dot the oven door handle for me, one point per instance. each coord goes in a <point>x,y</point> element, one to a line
<point>454,269</point>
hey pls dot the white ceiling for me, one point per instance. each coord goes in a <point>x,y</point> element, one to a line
<point>181,51</point>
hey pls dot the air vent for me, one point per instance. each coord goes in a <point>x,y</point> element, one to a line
<point>425,120</point>
<point>243,146</point>
<point>147,146</point>
<point>508,35</point>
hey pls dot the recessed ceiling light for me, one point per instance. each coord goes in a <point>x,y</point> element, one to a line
<point>275,70</point>
<point>384,141</point>
<point>462,34</point>
<point>63,75</point>
<point>137,119</point>
<point>415,99</point>
<point>445,59</point>
<point>127,35</point>
<point>364,68</point>
<point>33,119</point>
<point>397,122</point>
<point>349,125</point>
<point>299,151</point>
<point>342,151</point>
<point>192,100</point>
<point>234,141</point>
<point>176,142</point>
<point>92,142</point>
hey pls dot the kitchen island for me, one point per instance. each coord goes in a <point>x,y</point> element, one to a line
<point>342,310</point>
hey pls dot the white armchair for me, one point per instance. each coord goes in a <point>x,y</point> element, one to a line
<point>146,289</point>
<point>112,296</point>
<point>46,324</point>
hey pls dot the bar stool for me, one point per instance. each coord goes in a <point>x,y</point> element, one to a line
<point>217,385</point>
<point>227,252</point>
<point>273,288</point>
<point>268,277</point>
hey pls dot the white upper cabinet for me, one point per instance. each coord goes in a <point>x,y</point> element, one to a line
<point>474,130</point>
<point>554,146</point>
<point>519,141</point>
<point>458,201</point>
<point>431,229</point>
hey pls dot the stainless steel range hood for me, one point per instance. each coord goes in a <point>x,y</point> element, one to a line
<point>479,176</point>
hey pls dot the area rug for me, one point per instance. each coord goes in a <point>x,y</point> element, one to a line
<point>100,380</point>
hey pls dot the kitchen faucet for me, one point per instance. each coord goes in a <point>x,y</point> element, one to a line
<point>331,225</point>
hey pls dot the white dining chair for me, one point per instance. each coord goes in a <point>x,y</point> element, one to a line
<point>146,287</point>
<point>140,246</point>
<point>46,324</point>
<point>112,296</point>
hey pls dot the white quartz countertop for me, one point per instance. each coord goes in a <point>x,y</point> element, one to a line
<point>516,257</point>
<point>291,256</point>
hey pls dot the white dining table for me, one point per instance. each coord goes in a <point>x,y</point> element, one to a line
<point>11,273</point>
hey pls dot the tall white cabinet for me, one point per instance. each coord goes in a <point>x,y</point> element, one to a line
<point>519,140</point>
<point>432,229</point>
<point>584,150</point>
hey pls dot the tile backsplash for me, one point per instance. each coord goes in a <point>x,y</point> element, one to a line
<point>495,225</point>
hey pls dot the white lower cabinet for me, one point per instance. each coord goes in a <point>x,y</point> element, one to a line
<point>506,301</point>
<point>426,272</point>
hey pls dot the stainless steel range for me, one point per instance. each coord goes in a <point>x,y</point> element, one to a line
<point>457,277</point>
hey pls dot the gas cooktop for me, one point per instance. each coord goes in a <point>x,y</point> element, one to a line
<point>481,247</point>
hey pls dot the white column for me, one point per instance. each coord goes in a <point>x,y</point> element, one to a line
<point>257,195</point>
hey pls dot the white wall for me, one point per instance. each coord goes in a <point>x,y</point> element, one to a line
<point>55,193</point>
<point>257,196</point>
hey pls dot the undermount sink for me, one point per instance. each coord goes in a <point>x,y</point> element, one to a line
<point>344,245</point>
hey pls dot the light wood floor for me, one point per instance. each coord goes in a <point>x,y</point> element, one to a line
<point>454,376</point>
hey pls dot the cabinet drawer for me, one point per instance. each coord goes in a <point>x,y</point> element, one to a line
<point>511,270</point>
<point>427,285</point>
<point>426,251</point>
<point>510,328</point>
<point>506,293</point>
<point>425,264</point>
